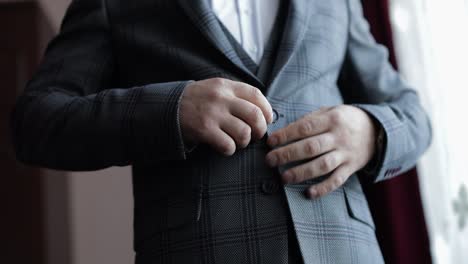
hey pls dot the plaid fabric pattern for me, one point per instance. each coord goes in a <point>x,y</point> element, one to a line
<point>107,94</point>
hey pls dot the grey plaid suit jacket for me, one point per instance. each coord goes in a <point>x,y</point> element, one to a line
<point>107,94</point>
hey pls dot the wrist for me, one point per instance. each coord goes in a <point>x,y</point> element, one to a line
<point>379,143</point>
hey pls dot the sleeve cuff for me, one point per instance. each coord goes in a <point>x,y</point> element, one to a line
<point>155,129</point>
<point>186,146</point>
<point>397,143</point>
<point>376,162</point>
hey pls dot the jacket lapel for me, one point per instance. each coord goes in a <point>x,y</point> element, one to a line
<point>205,20</point>
<point>294,30</point>
<point>295,26</point>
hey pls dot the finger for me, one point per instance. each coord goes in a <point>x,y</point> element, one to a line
<point>255,96</point>
<point>250,114</point>
<point>315,168</point>
<point>237,130</point>
<point>310,125</point>
<point>221,141</point>
<point>338,178</point>
<point>304,149</point>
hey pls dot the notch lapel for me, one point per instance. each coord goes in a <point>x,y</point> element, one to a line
<point>205,20</point>
<point>295,26</point>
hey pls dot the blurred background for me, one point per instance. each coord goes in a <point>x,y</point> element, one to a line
<point>58,217</point>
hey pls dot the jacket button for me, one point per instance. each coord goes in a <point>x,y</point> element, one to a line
<point>270,186</point>
<point>275,115</point>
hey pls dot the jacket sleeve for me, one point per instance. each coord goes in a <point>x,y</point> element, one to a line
<point>70,118</point>
<point>369,82</point>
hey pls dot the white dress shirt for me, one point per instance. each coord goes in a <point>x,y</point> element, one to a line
<point>249,21</point>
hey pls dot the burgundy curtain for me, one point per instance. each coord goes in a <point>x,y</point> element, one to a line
<point>396,203</point>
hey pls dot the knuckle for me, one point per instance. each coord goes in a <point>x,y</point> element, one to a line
<point>313,147</point>
<point>322,190</point>
<point>286,156</point>
<point>206,124</point>
<point>244,136</point>
<point>315,122</point>
<point>326,164</point>
<point>337,182</point>
<point>256,119</point>
<point>218,81</point>
<point>255,113</point>
<point>336,117</point>
<point>227,147</point>
<point>281,136</point>
<point>295,174</point>
<point>302,173</point>
<point>305,174</point>
<point>255,92</point>
<point>259,128</point>
<point>328,189</point>
<point>245,131</point>
<point>215,94</point>
<point>309,171</point>
<point>274,154</point>
<point>305,128</point>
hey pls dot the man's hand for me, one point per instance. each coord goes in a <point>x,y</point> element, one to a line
<point>339,139</point>
<point>224,114</point>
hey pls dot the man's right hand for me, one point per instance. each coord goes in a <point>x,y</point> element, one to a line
<point>224,114</point>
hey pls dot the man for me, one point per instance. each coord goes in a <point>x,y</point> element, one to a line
<point>247,123</point>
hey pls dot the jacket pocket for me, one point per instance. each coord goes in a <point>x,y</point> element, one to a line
<point>357,206</point>
<point>183,210</point>
<point>173,211</point>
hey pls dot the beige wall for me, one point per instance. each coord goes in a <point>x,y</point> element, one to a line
<point>90,220</point>
<point>101,216</point>
<point>88,215</point>
<point>54,10</point>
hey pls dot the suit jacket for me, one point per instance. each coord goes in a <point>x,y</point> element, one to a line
<point>107,94</point>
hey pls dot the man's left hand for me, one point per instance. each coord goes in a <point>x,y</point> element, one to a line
<point>338,140</point>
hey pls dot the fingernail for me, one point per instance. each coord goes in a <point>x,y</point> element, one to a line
<point>271,160</point>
